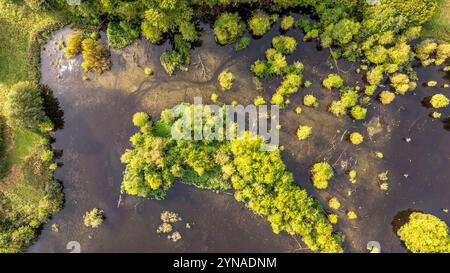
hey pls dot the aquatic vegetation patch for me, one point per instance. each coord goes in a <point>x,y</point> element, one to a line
<point>156,161</point>
<point>320,174</point>
<point>93,218</point>
<point>425,233</point>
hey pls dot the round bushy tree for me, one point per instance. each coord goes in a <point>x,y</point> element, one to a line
<point>425,233</point>
<point>24,106</point>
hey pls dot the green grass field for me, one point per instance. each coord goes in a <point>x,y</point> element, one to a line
<point>439,26</point>
<point>17,21</point>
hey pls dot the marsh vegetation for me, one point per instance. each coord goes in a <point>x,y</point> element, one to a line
<point>350,77</point>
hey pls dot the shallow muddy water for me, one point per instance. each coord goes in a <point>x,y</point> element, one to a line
<point>97,115</point>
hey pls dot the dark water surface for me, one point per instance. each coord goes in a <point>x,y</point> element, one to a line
<point>98,112</point>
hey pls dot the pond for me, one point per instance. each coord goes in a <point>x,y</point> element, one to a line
<point>97,127</point>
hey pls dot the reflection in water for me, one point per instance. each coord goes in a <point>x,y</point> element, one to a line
<point>52,108</point>
<point>97,118</point>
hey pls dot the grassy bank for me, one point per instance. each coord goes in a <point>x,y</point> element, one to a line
<point>29,195</point>
<point>439,25</point>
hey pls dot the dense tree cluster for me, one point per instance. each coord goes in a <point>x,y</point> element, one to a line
<point>270,191</point>
<point>226,79</point>
<point>261,22</point>
<point>93,218</point>
<point>276,64</point>
<point>30,197</point>
<point>376,31</point>
<point>180,55</point>
<point>156,160</point>
<point>73,46</point>
<point>228,28</point>
<point>425,233</point>
<point>347,103</point>
<point>120,34</point>
<point>24,107</point>
<point>386,97</point>
<point>95,56</point>
<point>320,174</point>
<point>333,81</point>
<point>430,52</point>
<point>259,177</point>
<point>439,101</point>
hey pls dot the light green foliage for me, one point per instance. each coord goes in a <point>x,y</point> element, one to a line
<point>351,215</point>
<point>270,191</point>
<point>289,85</point>
<point>333,218</point>
<point>310,100</point>
<point>386,97</point>
<point>439,101</point>
<point>430,52</point>
<point>259,23</point>
<point>333,81</point>
<point>286,206</point>
<point>436,115</point>
<point>261,69</point>
<point>29,195</point>
<point>337,108</point>
<point>170,60</point>
<point>214,97</point>
<point>424,51</point>
<point>401,83</point>
<point>228,27</point>
<point>93,218</point>
<point>358,112</point>
<point>24,107</point>
<point>226,79</point>
<point>95,56</point>
<point>442,53</point>
<point>356,138</point>
<point>320,174</point>
<point>287,22</point>
<point>121,34</point>
<point>375,75</point>
<point>344,31</point>
<point>334,203</point>
<point>303,132</point>
<point>276,64</point>
<point>431,83</point>
<point>141,119</point>
<point>352,176</point>
<point>166,16</point>
<point>188,32</point>
<point>312,34</point>
<point>73,46</point>
<point>243,43</point>
<point>348,98</point>
<point>156,159</point>
<point>276,61</point>
<point>425,233</point>
<point>284,44</point>
<point>259,101</point>
<point>148,71</point>
<point>377,54</point>
<point>370,90</point>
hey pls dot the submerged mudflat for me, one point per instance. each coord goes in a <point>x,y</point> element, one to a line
<point>98,111</point>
